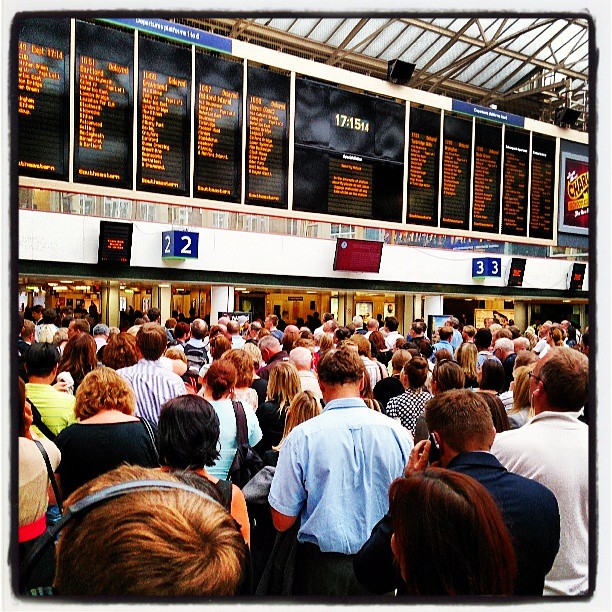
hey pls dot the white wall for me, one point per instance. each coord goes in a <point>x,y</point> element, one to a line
<point>66,238</point>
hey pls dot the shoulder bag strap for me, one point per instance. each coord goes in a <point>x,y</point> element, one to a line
<point>42,427</point>
<point>58,495</point>
<point>242,436</point>
<point>149,429</point>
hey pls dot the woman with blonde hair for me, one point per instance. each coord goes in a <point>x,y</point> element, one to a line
<point>304,406</point>
<point>107,435</point>
<point>521,410</point>
<point>259,384</point>
<point>467,358</point>
<point>283,386</point>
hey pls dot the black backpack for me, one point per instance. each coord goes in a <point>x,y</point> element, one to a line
<point>196,356</point>
<point>246,461</point>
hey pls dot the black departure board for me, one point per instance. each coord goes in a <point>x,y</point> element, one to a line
<point>104,104</point>
<point>267,137</point>
<point>218,129</point>
<point>350,187</point>
<point>164,86</point>
<point>456,173</point>
<point>423,169</point>
<point>542,188</point>
<point>43,69</point>
<point>515,172</point>
<point>487,176</point>
<point>115,243</point>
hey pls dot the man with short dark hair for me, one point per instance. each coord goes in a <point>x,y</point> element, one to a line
<point>482,340</point>
<point>553,448</point>
<point>78,326</point>
<point>56,407</point>
<point>457,338</point>
<point>153,384</point>
<point>461,423</point>
<point>467,333</point>
<point>37,317</point>
<point>391,327</point>
<point>233,328</point>
<point>446,333</point>
<point>196,349</point>
<point>333,475</point>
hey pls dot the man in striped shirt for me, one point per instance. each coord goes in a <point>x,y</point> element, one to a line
<point>153,384</point>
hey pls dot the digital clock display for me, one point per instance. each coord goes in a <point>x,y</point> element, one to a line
<point>352,123</point>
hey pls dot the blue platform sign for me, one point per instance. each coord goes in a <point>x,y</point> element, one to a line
<point>486,266</point>
<point>177,244</point>
<point>490,114</point>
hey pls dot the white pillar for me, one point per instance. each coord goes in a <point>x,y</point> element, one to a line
<point>109,304</point>
<point>164,302</point>
<point>434,305</point>
<point>221,300</point>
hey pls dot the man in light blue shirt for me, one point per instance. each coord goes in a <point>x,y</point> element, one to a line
<point>446,333</point>
<point>334,473</point>
<point>457,339</point>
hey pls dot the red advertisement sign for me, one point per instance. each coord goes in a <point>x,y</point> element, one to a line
<point>576,198</point>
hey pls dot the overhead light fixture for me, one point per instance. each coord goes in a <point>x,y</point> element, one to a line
<point>68,282</point>
<point>164,286</point>
<point>246,292</point>
<point>240,289</point>
<point>52,284</point>
<point>31,288</point>
<point>311,292</point>
<point>61,288</point>
<point>129,291</point>
<point>567,301</point>
<point>82,287</point>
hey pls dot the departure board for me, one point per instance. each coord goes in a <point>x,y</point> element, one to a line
<point>350,186</point>
<point>516,169</point>
<point>164,73</point>
<point>104,106</point>
<point>218,128</point>
<point>487,175</point>
<point>542,188</point>
<point>456,173</point>
<point>423,159</point>
<point>42,106</point>
<point>267,137</point>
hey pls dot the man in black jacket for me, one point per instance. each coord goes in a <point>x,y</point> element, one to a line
<point>463,428</point>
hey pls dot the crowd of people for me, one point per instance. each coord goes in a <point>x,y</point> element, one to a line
<point>320,459</point>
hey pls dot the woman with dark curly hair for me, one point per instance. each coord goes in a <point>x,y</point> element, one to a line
<point>449,537</point>
<point>107,435</point>
<point>79,358</point>
<point>188,438</point>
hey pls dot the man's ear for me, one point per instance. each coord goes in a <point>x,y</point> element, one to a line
<point>362,382</point>
<point>492,439</point>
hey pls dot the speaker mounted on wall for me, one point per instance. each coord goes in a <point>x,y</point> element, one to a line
<point>399,72</point>
<point>566,117</point>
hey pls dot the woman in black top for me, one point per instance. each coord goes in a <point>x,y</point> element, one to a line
<point>283,386</point>
<point>108,433</point>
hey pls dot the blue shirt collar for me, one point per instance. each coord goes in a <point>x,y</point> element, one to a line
<point>345,402</point>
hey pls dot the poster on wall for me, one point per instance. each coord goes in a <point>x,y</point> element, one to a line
<point>574,196</point>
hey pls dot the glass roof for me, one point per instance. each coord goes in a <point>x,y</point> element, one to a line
<point>527,65</point>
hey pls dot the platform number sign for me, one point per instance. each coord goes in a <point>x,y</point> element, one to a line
<point>486,266</point>
<point>177,244</point>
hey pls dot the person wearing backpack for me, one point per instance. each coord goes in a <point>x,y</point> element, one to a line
<point>195,348</point>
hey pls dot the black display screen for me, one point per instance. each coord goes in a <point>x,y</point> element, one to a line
<point>348,154</point>
<point>516,167</point>
<point>163,116</point>
<point>456,173</point>
<point>104,106</point>
<point>218,128</point>
<point>423,169</point>
<point>542,188</point>
<point>517,272</point>
<point>43,69</point>
<point>267,138</point>
<point>487,176</point>
<point>115,244</point>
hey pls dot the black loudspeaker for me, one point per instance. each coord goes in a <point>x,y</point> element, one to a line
<point>566,116</point>
<point>399,72</point>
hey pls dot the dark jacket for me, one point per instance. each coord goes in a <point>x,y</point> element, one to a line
<point>264,371</point>
<point>530,511</point>
<point>508,365</point>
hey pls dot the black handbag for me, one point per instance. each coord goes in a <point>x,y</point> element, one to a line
<point>246,461</point>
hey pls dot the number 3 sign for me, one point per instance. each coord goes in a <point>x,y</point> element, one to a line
<point>179,245</point>
<point>486,266</point>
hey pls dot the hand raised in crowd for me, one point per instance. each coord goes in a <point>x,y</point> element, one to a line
<point>419,458</point>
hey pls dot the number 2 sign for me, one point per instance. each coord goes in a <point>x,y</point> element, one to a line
<point>177,244</point>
